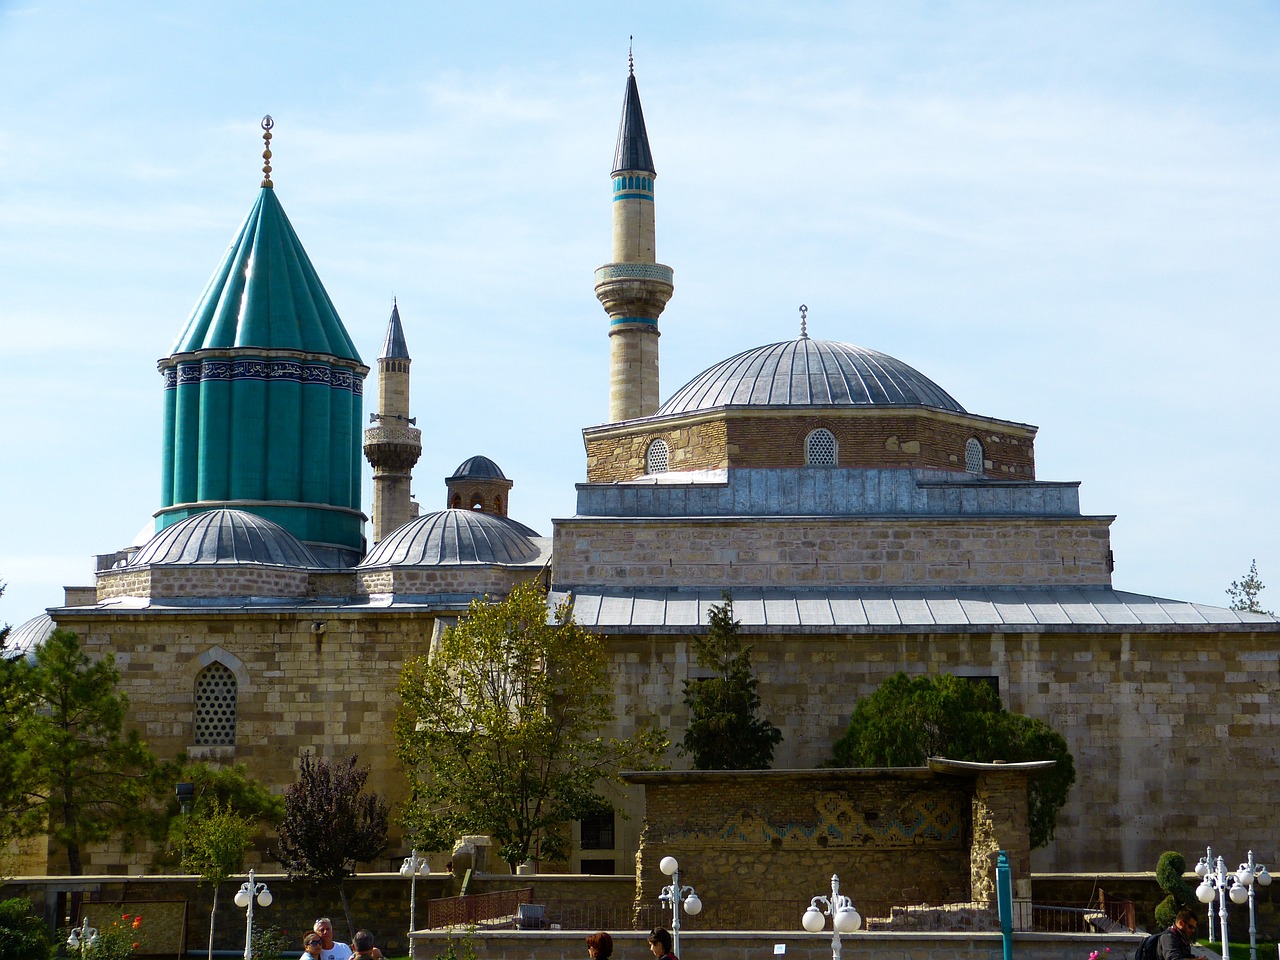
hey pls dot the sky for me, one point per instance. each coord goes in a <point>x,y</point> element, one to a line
<point>1065,214</point>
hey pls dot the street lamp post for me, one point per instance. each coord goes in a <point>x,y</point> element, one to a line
<point>413,866</point>
<point>676,895</point>
<point>1217,882</point>
<point>1251,875</point>
<point>844,918</point>
<point>82,937</point>
<point>1203,869</point>
<point>249,892</point>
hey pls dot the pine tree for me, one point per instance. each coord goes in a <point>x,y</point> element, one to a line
<point>1244,592</point>
<point>725,732</point>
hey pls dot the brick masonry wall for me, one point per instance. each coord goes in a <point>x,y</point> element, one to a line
<point>865,438</point>
<point>833,551</point>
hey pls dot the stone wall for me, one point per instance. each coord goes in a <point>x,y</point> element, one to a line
<point>879,438</point>
<point>824,551</point>
<point>196,580</point>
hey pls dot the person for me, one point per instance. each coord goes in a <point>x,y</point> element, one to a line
<point>311,946</point>
<point>328,949</point>
<point>1175,943</point>
<point>660,944</point>
<point>600,946</point>
<point>369,952</point>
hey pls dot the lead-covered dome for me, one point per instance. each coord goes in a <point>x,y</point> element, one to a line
<point>456,536</point>
<point>478,468</point>
<point>803,373</point>
<point>24,640</point>
<point>225,536</point>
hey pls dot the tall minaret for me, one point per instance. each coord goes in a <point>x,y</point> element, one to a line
<point>634,288</point>
<point>393,444</point>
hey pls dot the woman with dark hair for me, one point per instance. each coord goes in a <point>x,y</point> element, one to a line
<point>600,946</point>
<point>660,944</point>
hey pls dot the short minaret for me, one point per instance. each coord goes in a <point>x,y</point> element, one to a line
<point>393,444</point>
<point>634,288</point>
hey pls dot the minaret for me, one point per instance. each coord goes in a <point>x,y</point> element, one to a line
<point>393,444</point>
<point>634,288</point>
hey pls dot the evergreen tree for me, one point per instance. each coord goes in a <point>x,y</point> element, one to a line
<point>909,719</point>
<point>725,731</point>
<point>82,777</point>
<point>500,729</point>
<point>23,934</point>
<point>330,823</point>
<point>1244,592</point>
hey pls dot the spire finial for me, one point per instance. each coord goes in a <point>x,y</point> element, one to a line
<point>804,322</point>
<point>631,60</point>
<point>267,124</point>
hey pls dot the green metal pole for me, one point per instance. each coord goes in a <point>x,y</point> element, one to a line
<point>1004,897</point>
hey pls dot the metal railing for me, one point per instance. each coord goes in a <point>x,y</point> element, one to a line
<point>476,907</point>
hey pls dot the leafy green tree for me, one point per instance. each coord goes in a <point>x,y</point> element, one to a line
<point>1244,592</point>
<point>82,777</point>
<point>23,935</point>
<point>500,729</point>
<point>214,845</point>
<point>330,823</point>
<point>213,788</point>
<point>909,719</point>
<point>725,731</point>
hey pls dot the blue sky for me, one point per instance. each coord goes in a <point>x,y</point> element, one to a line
<point>1065,214</point>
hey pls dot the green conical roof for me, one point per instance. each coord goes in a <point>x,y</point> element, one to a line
<point>265,293</point>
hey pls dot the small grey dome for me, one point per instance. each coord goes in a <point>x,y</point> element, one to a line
<point>804,372</point>
<point>478,468</point>
<point>455,536</point>
<point>25,639</point>
<point>225,536</point>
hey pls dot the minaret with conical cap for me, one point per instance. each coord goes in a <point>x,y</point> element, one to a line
<point>393,444</point>
<point>634,288</point>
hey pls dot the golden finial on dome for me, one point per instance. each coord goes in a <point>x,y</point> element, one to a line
<point>267,124</point>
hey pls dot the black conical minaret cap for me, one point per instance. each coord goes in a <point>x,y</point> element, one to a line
<point>394,347</point>
<point>633,141</point>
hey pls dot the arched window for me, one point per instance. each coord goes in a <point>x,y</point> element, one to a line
<point>657,457</point>
<point>820,448</point>
<point>974,455</point>
<point>215,716</point>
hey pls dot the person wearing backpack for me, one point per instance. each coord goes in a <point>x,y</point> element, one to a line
<point>1174,943</point>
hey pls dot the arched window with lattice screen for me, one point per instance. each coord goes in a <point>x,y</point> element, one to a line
<point>820,448</point>
<point>215,713</point>
<point>974,455</point>
<point>657,457</point>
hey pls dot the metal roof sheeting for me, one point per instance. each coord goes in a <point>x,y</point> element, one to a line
<point>866,608</point>
<point>225,536</point>
<point>456,536</point>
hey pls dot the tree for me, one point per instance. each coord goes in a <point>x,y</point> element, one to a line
<point>23,934</point>
<point>724,731</point>
<point>1244,592</point>
<point>214,846</point>
<point>1169,870</point>
<point>330,823</point>
<point>229,788</point>
<point>909,719</point>
<point>82,777</point>
<point>499,729</point>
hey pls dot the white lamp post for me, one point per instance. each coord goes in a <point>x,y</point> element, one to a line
<point>245,896</point>
<point>675,895</point>
<point>82,937</point>
<point>1250,875</point>
<point>1218,882</point>
<point>1203,869</point>
<point>844,919</point>
<point>413,866</point>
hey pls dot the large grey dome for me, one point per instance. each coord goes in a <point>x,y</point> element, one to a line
<point>455,536</point>
<point>25,639</point>
<point>803,373</point>
<point>225,536</point>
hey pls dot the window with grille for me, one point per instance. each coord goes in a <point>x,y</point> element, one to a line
<point>657,458</point>
<point>597,832</point>
<point>974,455</point>
<point>215,707</point>
<point>820,448</point>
